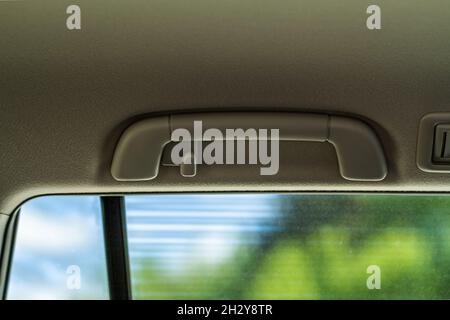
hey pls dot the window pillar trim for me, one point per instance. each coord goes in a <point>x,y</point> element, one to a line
<point>116,247</point>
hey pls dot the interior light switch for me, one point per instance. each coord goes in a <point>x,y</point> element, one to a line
<point>433,143</point>
<point>441,152</point>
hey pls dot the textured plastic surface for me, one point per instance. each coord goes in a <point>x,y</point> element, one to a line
<point>293,126</point>
<point>138,153</point>
<point>68,96</point>
<point>359,152</point>
<point>360,155</point>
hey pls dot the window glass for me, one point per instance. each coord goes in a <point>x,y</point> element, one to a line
<point>59,250</point>
<point>289,246</point>
<point>240,246</point>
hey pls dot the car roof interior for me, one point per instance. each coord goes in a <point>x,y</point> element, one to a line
<point>67,97</point>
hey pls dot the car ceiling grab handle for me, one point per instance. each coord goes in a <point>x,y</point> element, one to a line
<point>359,152</point>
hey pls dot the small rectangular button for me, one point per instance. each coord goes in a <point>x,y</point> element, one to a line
<point>441,150</point>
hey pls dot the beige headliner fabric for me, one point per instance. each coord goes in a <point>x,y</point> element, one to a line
<point>65,96</point>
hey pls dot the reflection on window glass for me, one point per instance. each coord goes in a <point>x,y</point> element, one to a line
<point>289,246</point>
<point>59,250</point>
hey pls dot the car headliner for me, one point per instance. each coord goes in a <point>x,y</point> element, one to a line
<point>66,96</point>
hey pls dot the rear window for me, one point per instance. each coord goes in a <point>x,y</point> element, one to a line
<point>236,246</point>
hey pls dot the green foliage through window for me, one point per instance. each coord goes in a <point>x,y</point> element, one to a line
<point>289,246</point>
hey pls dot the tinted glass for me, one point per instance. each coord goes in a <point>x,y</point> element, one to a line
<point>59,250</point>
<point>289,246</point>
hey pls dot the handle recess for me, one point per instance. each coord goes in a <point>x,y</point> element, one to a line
<point>359,152</point>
